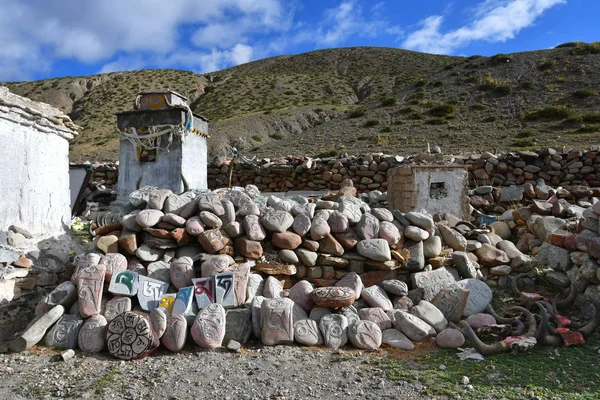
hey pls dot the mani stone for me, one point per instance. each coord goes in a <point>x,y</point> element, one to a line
<point>334,328</point>
<point>432,281</point>
<point>301,224</point>
<point>253,229</point>
<point>374,249</point>
<point>465,266</point>
<point>149,292</point>
<point>114,263</point>
<point>413,327</point>
<point>238,325</point>
<point>277,325</point>
<point>416,262</point>
<point>352,281</point>
<point>430,314</point>
<point>204,290</point>
<point>158,320</point>
<point>64,333</point>
<point>272,288</point>
<point>277,220</point>
<point>395,287</point>
<point>210,220</point>
<point>124,283</point>
<point>64,294</point>
<point>395,338</point>
<point>160,270</point>
<point>116,306</point>
<point>365,335</point>
<point>453,238</point>
<point>166,302</point>
<point>87,260</point>
<point>91,334</point>
<point>148,218</point>
<point>256,307</point>
<point>130,336</point>
<point>90,285</point>
<point>480,295</point>
<point>318,312</point>
<point>389,232</point>
<point>319,228</point>
<point>450,339</point>
<point>306,332</point>
<point>333,296</point>
<point>256,285</point>
<point>175,334</point>
<point>300,294</point>
<point>148,254</point>
<point>215,265</point>
<point>377,315</point>
<point>367,227</point>
<point>182,272</point>
<point>375,296</point>
<point>451,301</point>
<point>224,289</point>
<point>212,241</point>
<point>183,301</point>
<point>423,221</point>
<point>208,329</point>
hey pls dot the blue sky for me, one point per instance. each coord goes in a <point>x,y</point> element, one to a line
<point>52,38</point>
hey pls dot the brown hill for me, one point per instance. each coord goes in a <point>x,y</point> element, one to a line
<point>356,99</point>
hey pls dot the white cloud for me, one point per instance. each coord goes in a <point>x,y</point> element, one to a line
<point>494,21</point>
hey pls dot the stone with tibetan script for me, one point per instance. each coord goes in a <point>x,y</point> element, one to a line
<point>37,329</point>
<point>64,333</point>
<point>480,295</point>
<point>130,336</point>
<point>212,240</point>
<point>333,296</point>
<point>240,279</point>
<point>64,294</point>
<point>367,227</point>
<point>253,229</point>
<point>377,315</point>
<point>114,263</point>
<point>82,262</point>
<point>89,290</point>
<point>210,219</point>
<point>136,266</point>
<point>256,307</point>
<point>150,291</point>
<point>256,286</point>
<point>374,249</point>
<point>182,272</point>
<point>300,294</point>
<point>166,302</point>
<point>208,329</point>
<point>210,202</point>
<point>277,220</point>
<point>277,325</point>
<point>318,312</point>
<point>334,328</point>
<point>160,270</point>
<point>175,334</point>
<point>302,224</point>
<point>204,290</point>
<point>158,320</point>
<point>124,283</point>
<point>238,325</point>
<point>115,306</point>
<point>224,290</point>
<point>432,281</point>
<point>91,334</point>
<point>375,296</point>
<point>413,327</point>
<point>365,335</point>
<point>306,332</point>
<point>229,212</point>
<point>183,301</point>
<point>148,218</point>
<point>353,281</point>
<point>338,222</point>
<point>215,265</point>
<point>451,301</point>
<point>319,228</point>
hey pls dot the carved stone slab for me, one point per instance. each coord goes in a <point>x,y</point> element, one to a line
<point>365,335</point>
<point>240,275</point>
<point>114,262</point>
<point>124,283</point>
<point>176,333</point>
<point>204,290</point>
<point>160,270</point>
<point>277,325</point>
<point>333,296</point>
<point>91,334</point>
<point>256,308</point>
<point>238,325</point>
<point>334,328</point>
<point>208,329</point>
<point>116,306</point>
<point>182,272</point>
<point>129,336</point>
<point>89,290</point>
<point>82,262</point>
<point>375,296</point>
<point>306,332</point>
<point>150,291</point>
<point>377,315</point>
<point>65,332</point>
<point>183,301</point>
<point>451,301</point>
<point>158,320</point>
<point>432,281</point>
<point>256,285</point>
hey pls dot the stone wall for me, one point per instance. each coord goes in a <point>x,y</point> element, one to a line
<point>370,171</point>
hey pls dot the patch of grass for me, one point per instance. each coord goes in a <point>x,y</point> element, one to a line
<point>491,118</point>
<point>581,48</point>
<point>588,129</point>
<point>107,380</point>
<point>276,136</point>
<point>591,117</point>
<point>372,122</point>
<point>546,65</point>
<point>523,143</point>
<point>501,59</point>
<point>436,121</point>
<point>572,373</point>
<point>390,101</point>
<point>421,83</point>
<point>502,90</point>
<point>257,138</point>
<point>387,129</point>
<point>569,44</point>
<point>527,85</point>
<point>442,110</point>
<point>328,153</point>
<point>525,133</point>
<point>583,93</point>
<point>550,113</point>
<point>478,106</point>
<point>359,112</point>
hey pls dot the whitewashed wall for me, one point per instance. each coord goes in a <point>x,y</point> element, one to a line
<point>34,176</point>
<point>456,181</point>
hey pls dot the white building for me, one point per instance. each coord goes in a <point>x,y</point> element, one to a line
<point>34,165</point>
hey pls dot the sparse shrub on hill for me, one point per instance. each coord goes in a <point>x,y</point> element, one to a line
<point>372,122</point>
<point>523,143</point>
<point>550,113</point>
<point>585,48</point>
<point>390,101</point>
<point>442,110</point>
<point>359,112</point>
<point>502,90</point>
<point>501,58</point>
<point>525,133</point>
<point>583,93</point>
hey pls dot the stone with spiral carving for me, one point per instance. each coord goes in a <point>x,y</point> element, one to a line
<point>333,296</point>
<point>208,329</point>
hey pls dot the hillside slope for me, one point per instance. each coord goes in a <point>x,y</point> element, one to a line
<point>356,99</point>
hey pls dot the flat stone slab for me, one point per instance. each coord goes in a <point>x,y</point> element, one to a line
<point>150,291</point>
<point>64,333</point>
<point>432,281</point>
<point>480,295</point>
<point>224,289</point>
<point>204,290</point>
<point>375,296</point>
<point>116,306</point>
<point>377,315</point>
<point>124,283</point>
<point>451,301</point>
<point>129,336</point>
<point>208,329</point>
<point>238,325</point>
<point>277,325</point>
<point>413,327</point>
<point>89,289</point>
<point>183,301</point>
<point>395,338</point>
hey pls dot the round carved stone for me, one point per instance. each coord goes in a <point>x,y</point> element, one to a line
<point>91,334</point>
<point>333,296</point>
<point>130,336</point>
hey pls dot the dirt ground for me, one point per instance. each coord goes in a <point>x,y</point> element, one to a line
<point>257,372</point>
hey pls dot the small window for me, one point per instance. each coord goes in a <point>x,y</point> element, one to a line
<point>437,190</point>
<point>145,156</point>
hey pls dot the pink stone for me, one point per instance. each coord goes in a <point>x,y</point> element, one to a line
<point>376,315</point>
<point>480,320</point>
<point>300,294</point>
<point>208,329</point>
<point>277,325</point>
<point>182,272</point>
<point>176,333</point>
<point>89,290</point>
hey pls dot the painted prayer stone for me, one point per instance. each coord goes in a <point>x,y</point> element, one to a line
<point>116,306</point>
<point>114,262</point>
<point>124,283</point>
<point>183,301</point>
<point>167,301</point>
<point>91,334</point>
<point>208,329</point>
<point>65,332</point>
<point>224,289</point>
<point>182,272</point>
<point>333,296</point>
<point>365,335</point>
<point>277,326</point>
<point>89,290</point>
<point>150,291</point>
<point>176,333</point>
<point>334,328</point>
<point>306,332</point>
<point>204,290</point>
<point>130,336</point>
